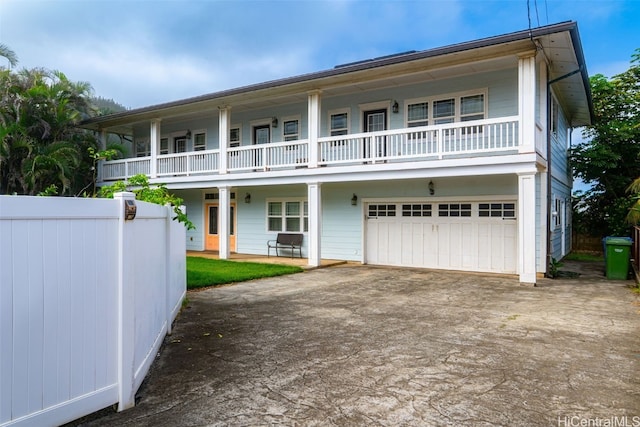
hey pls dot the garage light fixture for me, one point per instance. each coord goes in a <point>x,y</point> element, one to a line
<point>354,200</point>
<point>432,188</point>
<point>247,198</point>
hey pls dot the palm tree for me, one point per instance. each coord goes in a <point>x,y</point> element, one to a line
<point>40,144</point>
<point>9,55</point>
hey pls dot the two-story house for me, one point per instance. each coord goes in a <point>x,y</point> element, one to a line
<point>451,158</point>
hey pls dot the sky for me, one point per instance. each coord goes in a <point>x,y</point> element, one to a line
<point>146,52</point>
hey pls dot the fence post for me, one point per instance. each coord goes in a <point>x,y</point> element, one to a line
<point>126,309</point>
<point>168,267</point>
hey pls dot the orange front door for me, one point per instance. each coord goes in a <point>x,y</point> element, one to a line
<point>212,219</point>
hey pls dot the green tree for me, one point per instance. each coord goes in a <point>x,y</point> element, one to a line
<point>139,185</point>
<point>609,160</point>
<point>40,144</point>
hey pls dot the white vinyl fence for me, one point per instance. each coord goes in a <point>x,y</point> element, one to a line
<point>86,298</point>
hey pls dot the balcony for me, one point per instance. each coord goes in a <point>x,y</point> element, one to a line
<point>452,140</point>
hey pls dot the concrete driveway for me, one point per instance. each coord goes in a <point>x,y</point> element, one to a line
<point>361,346</point>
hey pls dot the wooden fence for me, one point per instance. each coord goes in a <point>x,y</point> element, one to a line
<point>86,298</point>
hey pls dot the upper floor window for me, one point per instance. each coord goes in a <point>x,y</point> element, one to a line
<point>143,148</point>
<point>339,123</point>
<point>234,136</point>
<point>418,114</point>
<point>164,145</point>
<point>291,129</point>
<point>199,141</point>
<point>448,109</point>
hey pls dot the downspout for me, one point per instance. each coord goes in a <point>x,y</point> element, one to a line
<point>550,175</point>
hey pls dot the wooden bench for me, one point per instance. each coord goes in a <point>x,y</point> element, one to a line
<point>290,241</point>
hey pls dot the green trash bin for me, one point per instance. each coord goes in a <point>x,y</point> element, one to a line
<point>617,257</point>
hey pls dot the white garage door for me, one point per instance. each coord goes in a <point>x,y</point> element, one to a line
<point>470,236</point>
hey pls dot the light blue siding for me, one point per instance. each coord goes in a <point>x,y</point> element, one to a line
<point>342,223</point>
<point>193,201</point>
<point>561,185</point>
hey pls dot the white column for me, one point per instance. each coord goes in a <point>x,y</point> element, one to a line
<point>314,127</point>
<point>314,198</point>
<point>154,142</point>
<point>102,145</point>
<point>223,137</point>
<point>527,227</point>
<point>224,222</point>
<point>527,101</point>
<point>104,136</point>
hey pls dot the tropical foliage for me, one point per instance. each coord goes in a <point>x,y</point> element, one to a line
<point>158,194</point>
<point>40,144</point>
<point>609,160</point>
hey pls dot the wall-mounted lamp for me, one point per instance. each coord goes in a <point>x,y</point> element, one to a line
<point>432,188</point>
<point>395,107</point>
<point>188,134</point>
<point>247,198</point>
<point>274,122</point>
<point>354,200</point>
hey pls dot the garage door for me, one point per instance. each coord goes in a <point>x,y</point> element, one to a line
<point>470,236</point>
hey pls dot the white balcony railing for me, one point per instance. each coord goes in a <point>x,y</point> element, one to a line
<point>268,156</point>
<point>462,139</point>
<point>194,162</point>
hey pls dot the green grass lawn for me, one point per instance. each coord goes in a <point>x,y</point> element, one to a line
<point>202,272</point>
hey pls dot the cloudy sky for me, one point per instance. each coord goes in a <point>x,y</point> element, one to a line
<point>144,52</point>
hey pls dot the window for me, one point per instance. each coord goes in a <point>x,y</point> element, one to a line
<point>380,211</point>
<point>234,136</point>
<point>289,216</point>
<point>444,111</point>
<point>291,130</point>
<point>416,210</point>
<point>164,145</point>
<point>339,123</point>
<point>557,208</point>
<point>418,114</point>
<point>143,148</point>
<point>454,209</point>
<point>471,108</point>
<point>497,210</point>
<point>199,141</point>
<point>458,108</point>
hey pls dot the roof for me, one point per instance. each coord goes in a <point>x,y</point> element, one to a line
<point>560,42</point>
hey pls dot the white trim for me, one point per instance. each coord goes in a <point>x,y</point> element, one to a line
<point>284,119</point>
<point>430,199</point>
<point>336,112</point>
<point>371,106</point>
<point>283,201</point>
<point>239,141</point>
<point>261,122</point>
<point>193,139</point>
<point>455,95</point>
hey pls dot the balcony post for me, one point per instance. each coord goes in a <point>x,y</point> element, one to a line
<point>223,138</point>
<point>314,127</point>
<point>223,224</point>
<point>527,227</point>
<point>154,141</point>
<point>527,101</point>
<point>314,198</point>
